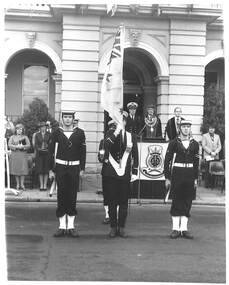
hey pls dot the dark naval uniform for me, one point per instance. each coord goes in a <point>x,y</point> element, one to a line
<point>133,125</point>
<point>118,185</point>
<point>70,159</point>
<point>184,172</point>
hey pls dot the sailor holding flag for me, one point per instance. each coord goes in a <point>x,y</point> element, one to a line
<point>120,146</point>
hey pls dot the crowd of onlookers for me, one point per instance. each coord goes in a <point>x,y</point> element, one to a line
<point>19,145</point>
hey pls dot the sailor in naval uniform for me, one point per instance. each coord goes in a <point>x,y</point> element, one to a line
<point>133,122</point>
<point>121,159</point>
<point>181,173</point>
<point>67,148</point>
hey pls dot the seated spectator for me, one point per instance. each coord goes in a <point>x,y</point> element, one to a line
<point>19,144</point>
<point>211,145</point>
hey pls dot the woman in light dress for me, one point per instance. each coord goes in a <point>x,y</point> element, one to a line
<point>19,145</point>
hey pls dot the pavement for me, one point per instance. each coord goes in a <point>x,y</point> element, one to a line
<point>147,255</point>
<point>205,196</point>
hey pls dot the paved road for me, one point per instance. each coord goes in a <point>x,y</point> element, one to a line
<point>147,255</point>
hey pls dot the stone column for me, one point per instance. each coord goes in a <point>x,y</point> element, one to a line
<point>186,70</point>
<point>163,99</point>
<point>58,81</point>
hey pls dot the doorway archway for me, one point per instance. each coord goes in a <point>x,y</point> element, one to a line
<point>139,73</point>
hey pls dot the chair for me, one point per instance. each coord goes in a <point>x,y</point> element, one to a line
<point>202,170</point>
<point>216,170</point>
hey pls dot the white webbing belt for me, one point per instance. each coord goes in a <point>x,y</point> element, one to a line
<point>177,164</point>
<point>121,167</point>
<point>65,162</point>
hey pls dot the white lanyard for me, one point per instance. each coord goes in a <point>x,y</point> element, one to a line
<point>120,168</point>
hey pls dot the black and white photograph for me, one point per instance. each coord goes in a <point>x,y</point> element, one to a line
<point>114,146</point>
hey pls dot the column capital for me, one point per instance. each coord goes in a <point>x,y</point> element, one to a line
<point>57,77</point>
<point>161,78</point>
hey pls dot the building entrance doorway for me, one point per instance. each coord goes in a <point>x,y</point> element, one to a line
<point>139,72</point>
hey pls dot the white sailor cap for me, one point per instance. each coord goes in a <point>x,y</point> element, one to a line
<point>185,122</point>
<point>72,113</point>
<point>132,105</point>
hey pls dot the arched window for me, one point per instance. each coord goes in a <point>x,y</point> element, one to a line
<point>35,84</point>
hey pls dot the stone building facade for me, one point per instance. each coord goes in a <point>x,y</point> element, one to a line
<point>59,52</point>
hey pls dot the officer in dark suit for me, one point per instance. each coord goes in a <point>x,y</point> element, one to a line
<point>133,122</point>
<point>181,173</point>
<point>172,128</point>
<point>121,159</point>
<point>68,154</point>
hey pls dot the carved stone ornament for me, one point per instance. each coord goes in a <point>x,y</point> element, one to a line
<point>134,36</point>
<point>31,37</point>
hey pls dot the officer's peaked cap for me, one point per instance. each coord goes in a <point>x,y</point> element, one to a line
<point>132,105</point>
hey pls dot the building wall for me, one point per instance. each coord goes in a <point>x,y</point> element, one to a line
<point>186,80</point>
<point>81,43</point>
<point>80,60</point>
<point>49,33</point>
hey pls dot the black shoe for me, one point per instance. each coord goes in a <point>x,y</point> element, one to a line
<point>174,234</point>
<point>113,233</point>
<point>106,221</point>
<point>187,235</point>
<point>122,233</point>
<point>60,233</point>
<point>72,233</point>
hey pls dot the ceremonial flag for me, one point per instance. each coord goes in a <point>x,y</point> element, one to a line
<point>111,8</point>
<point>112,84</point>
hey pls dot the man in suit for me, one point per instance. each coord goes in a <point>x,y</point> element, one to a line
<point>133,122</point>
<point>120,160</point>
<point>67,150</point>
<point>172,128</point>
<point>211,145</point>
<point>181,173</point>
